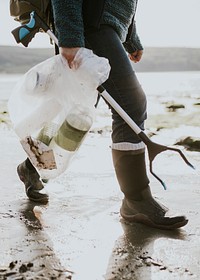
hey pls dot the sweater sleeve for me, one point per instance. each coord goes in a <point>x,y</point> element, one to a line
<point>133,43</point>
<point>69,22</point>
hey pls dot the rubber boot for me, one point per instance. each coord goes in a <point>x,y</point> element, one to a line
<point>31,179</point>
<point>138,204</point>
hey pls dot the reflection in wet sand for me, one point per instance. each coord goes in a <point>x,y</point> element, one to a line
<point>43,263</point>
<point>132,255</point>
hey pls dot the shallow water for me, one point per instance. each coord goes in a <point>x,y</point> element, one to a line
<point>7,83</point>
<point>161,88</point>
<point>162,84</point>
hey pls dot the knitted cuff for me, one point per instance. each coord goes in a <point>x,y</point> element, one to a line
<point>132,46</point>
<point>133,43</point>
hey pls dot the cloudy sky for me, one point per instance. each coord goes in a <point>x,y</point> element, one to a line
<point>160,23</point>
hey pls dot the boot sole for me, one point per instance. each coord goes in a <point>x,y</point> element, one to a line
<point>143,219</point>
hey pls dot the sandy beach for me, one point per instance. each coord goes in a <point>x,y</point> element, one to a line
<point>80,235</point>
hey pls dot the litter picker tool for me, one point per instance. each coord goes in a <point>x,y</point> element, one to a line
<point>24,35</point>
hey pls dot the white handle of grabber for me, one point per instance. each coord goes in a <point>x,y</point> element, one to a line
<point>120,111</point>
<point>52,36</point>
<point>108,98</point>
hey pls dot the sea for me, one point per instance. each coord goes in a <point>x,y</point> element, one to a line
<point>160,84</point>
<point>181,88</point>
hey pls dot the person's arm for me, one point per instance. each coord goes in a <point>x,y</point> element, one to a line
<point>69,26</point>
<point>133,45</point>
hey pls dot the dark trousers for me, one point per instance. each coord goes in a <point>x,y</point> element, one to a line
<point>122,83</point>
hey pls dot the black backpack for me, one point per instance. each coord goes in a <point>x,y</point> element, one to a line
<point>21,9</point>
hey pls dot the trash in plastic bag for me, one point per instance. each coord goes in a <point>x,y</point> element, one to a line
<point>51,86</point>
<point>47,93</point>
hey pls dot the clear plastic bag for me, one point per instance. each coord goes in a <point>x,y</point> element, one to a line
<point>48,92</point>
<point>51,87</point>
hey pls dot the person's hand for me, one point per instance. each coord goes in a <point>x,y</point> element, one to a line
<point>69,54</point>
<point>136,56</point>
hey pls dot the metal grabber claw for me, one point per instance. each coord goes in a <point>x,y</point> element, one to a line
<point>154,149</point>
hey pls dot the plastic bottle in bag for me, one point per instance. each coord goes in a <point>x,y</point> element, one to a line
<point>47,133</point>
<point>69,138</point>
<point>39,83</point>
<point>33,102</point>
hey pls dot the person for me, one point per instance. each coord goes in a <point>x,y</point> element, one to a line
<point>108,28</point>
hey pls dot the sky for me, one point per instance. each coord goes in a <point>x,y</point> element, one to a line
<point>160,23</point>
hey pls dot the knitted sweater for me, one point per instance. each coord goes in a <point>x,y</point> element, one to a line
<point>70,26</point>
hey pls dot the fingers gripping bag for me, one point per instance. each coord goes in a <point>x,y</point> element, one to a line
<point>52,108</point>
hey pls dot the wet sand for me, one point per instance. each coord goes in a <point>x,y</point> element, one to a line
<point>80,235</point>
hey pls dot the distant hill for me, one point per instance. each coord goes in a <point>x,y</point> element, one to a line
<point>169,59</point>
<point>20,59</point>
